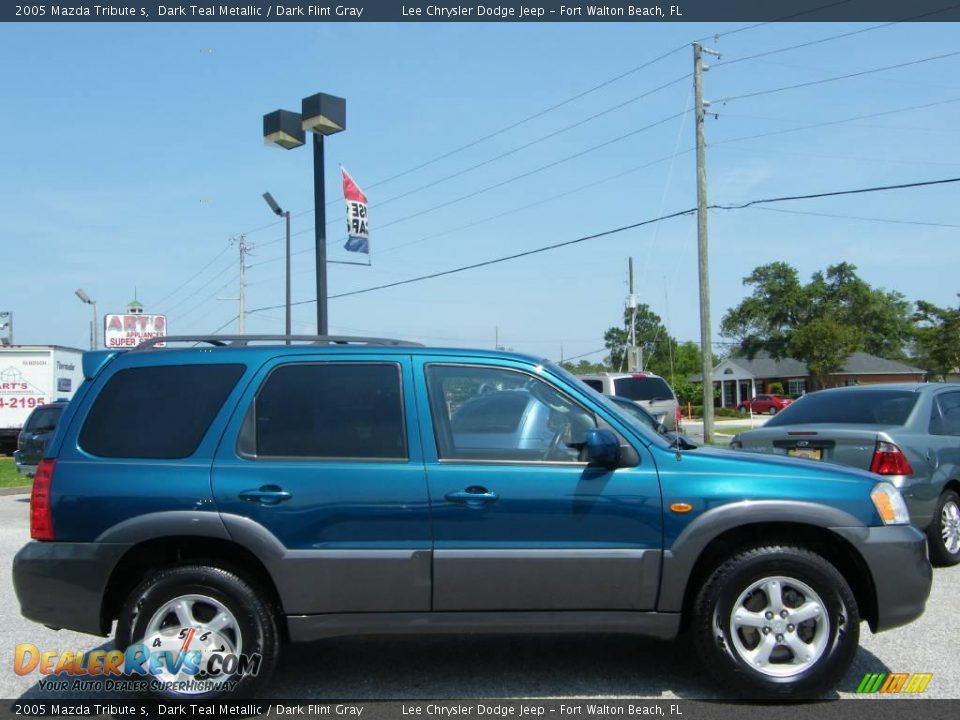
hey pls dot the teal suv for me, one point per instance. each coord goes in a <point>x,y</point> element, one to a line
<point>238,493</point>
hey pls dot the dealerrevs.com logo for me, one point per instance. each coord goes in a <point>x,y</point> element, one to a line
<point>894,683</point>
<point>175,660</point>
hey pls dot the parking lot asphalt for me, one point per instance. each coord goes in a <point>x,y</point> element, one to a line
<point>533,666</point>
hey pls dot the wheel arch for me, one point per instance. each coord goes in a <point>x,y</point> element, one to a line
<point>694,557</point>
<point>834,548</point>
<point>149,556</point>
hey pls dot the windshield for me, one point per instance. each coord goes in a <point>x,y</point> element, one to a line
<point>642,388</point>
<point>870,407</point>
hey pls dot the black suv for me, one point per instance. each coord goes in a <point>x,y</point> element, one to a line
<point>35,434</point>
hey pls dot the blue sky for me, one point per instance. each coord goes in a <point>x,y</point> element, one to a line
<point>133,152</point>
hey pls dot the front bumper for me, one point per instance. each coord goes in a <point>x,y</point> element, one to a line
<point>61,584</point>
<point>896,556</point>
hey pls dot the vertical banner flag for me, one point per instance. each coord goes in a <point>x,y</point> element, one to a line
<point>358,236</point>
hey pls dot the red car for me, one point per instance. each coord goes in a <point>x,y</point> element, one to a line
<point>770,404</point>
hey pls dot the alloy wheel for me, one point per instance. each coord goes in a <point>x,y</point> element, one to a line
<point>950,527</point>
<point>779,626</point>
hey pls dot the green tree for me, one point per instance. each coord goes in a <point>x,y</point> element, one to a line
<point>938,338</point>
<point>584,367</point>
<point>821,323</point>
<point>652,337</point>
<point>824,344</point>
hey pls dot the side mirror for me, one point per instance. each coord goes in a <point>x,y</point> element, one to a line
<point>601,448</point>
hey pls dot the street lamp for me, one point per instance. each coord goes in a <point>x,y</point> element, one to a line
<point>6,323</point>
<point>286,215</point>
<point>93,323</point>
<point>322,115</point>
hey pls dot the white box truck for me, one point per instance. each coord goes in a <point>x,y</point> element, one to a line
<point>30,376</point>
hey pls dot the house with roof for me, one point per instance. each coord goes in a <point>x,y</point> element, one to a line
<point>741,378</point>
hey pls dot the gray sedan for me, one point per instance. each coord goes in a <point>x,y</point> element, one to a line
<point>909,433</point>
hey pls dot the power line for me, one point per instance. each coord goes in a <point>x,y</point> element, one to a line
<point>534,116</point>
<point>791,16</point>
<point>831,37</point>
<point>623,228</point>
<point>859,217</point>
<point>580,188</point>
<point>533,142</point>
<point>836,193</point>
<point>493,261</point>
<point>810,83</point>
<point>583,355</point>
<point>841,121</point>
<point>529,173</point>
<point>228,322</point>
<point>234,278</point>
<point>563,103</point>
<point>200,288</point>
<point>192,277</point>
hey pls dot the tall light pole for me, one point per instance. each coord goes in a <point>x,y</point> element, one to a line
<point>6,324</point>
<point>286,215</point>
<point>322,115</point>
<point>93,323</point>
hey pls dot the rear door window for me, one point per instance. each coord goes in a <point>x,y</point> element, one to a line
<point>595,384</point>
<point>331,410</point>
<point>947,420</point>
<point>158,412</point>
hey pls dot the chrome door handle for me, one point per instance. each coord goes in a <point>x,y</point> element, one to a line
<point>266,495</point>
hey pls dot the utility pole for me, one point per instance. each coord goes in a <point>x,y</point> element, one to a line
<point>244,249</point>
<point>633,364</point>
<point>705,341</point>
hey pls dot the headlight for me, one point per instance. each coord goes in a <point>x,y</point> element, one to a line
<point>890,505</point>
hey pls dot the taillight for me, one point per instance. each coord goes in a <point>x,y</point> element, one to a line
<point>41,516</point>
<point>888,459</point>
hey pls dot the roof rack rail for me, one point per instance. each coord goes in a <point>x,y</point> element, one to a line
<point>244,340</point>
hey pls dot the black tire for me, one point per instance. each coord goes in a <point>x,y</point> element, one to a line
<point>256,620</point>
<point>772,411</point>
<point>940,554</point>
<point>712,624</point>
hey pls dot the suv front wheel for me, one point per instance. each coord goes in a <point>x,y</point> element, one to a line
<point>775,622</point>
<point>206,633</point>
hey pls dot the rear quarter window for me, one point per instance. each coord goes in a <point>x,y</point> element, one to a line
<point>158,412</point>
<point>869,407</point>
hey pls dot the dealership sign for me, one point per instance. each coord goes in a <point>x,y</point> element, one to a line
<point>124,331</point>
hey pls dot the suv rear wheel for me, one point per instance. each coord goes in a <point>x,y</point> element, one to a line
<point>206,609</point>
<point>776,622</point>
<point>943,534</point>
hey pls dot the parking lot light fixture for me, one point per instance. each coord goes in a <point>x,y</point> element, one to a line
<point>93,323</point>
<point>283,128</point>
<point>286,215</point>
<point>322,115</point>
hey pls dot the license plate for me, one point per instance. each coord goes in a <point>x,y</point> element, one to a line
<point>809,453</point>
